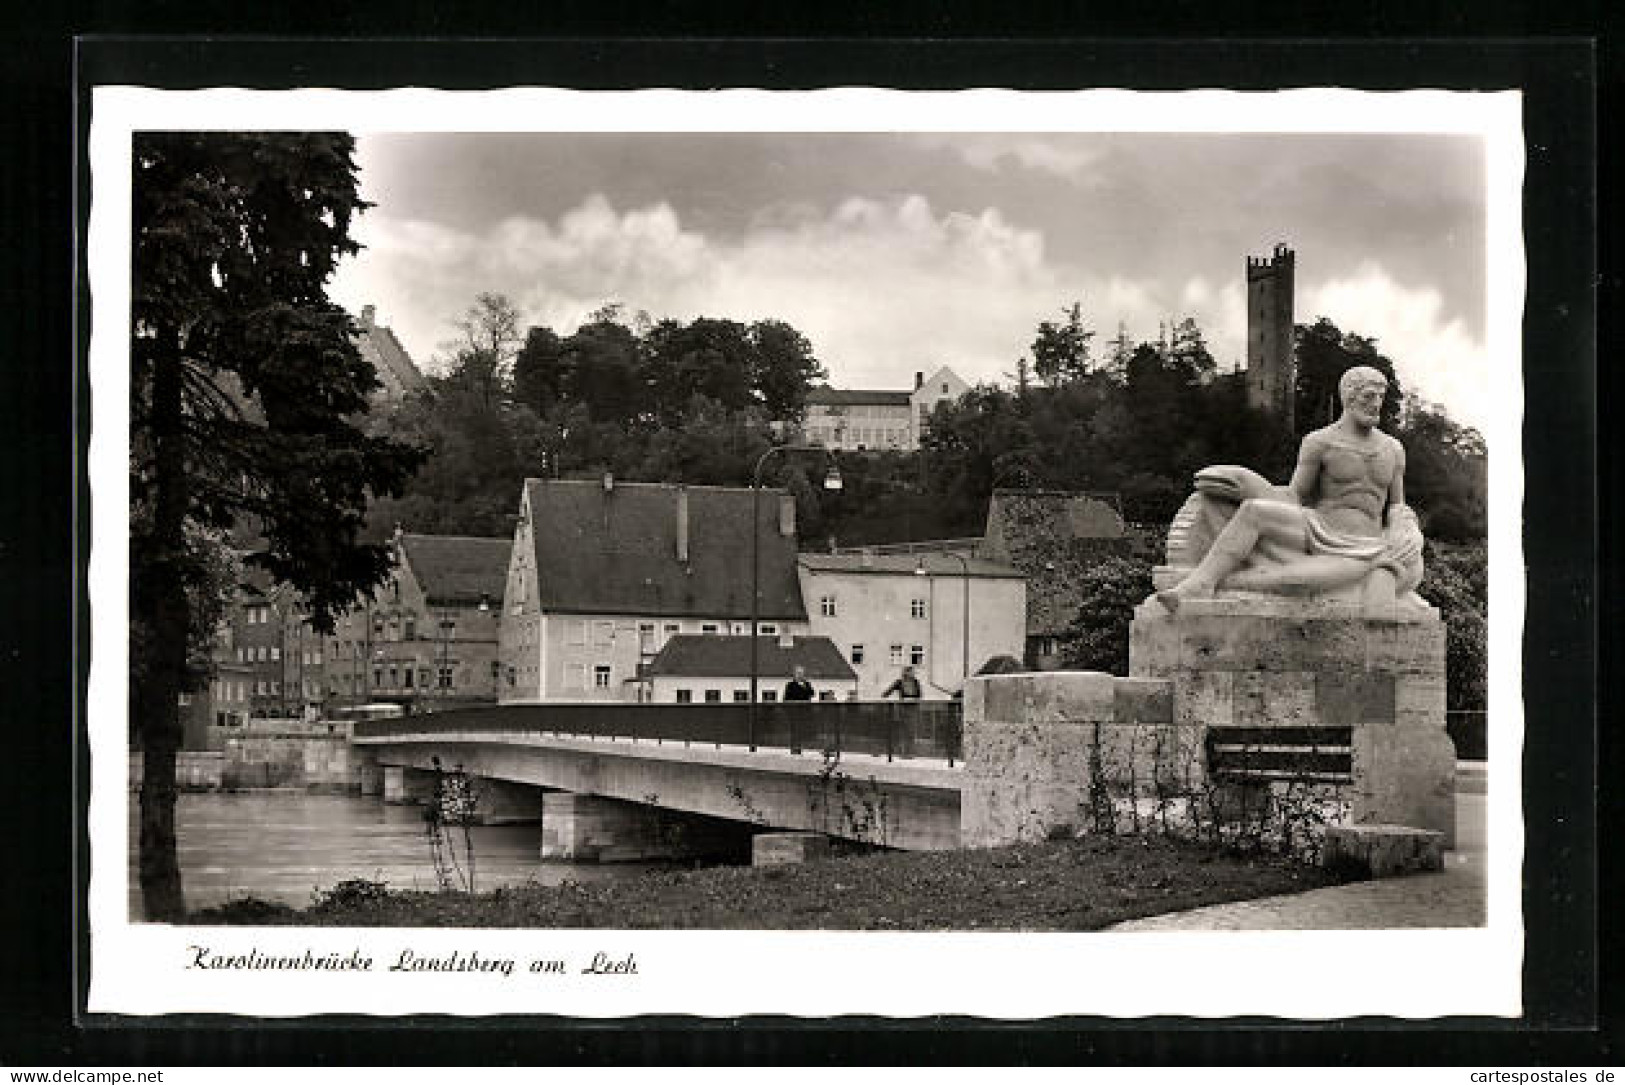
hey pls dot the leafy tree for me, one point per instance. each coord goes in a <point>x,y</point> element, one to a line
<point>539,376</point>
<point>601,366</point>
<point>1061,350</point>
<point>1109,589</point>
<point>784,369</point>
<point>1324,353</point>
<point>1457,582</point>
<point>1446,474</point>
<point>709,357</point>
<point>246,395</point>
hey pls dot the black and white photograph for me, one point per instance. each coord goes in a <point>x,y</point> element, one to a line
<point>675,552</point>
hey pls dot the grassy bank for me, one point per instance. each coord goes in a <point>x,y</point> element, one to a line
<point>1070,885</point>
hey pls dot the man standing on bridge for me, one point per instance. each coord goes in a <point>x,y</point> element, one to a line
<point>798,688</point>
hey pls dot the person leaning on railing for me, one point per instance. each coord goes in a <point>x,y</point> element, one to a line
<point>907,687</point>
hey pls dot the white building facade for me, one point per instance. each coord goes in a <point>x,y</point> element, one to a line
<point>859,420</point>
<point>942,614</point>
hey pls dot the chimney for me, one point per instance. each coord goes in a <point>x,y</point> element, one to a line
<point>682,524</point>
<point>367,314</point>
<point>787,515</point>
<point>919,380</point>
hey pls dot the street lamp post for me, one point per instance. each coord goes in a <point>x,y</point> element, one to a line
<point>832,481</point>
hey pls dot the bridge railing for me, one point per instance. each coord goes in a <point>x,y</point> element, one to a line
<point>920,729</point>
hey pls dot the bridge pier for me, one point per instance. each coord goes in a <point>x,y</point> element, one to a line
<point>503,802</point>
<point>406,786</point>
<point>369,774</point>
<point>579,827</point>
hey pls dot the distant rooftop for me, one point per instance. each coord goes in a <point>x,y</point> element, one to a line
<point>923,563</point>
<point>690,656</point>
<point>458,569</point>
<point>856,397</point>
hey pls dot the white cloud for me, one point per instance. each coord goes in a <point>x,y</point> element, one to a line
<point>1436,357</point>
<point>882,288</point>
<point>1070,159</point>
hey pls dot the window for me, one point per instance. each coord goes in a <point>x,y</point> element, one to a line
<point>709,629</point>
<point>377,676</point>
<point>575,633</point>
<point>916,654</point>
<point>646,637</point>
<point>713,696</point>
<point>394,677</point>
<point>411,629</point>
<point>916,608</point>
<point>276,654</point>
<point>826,695</point>
<point>603,634</point>
<point>826,606</point>
<point>185,699</point>
<point>944,387</point>
<point>685,696</point>
<point>741,695</point>
<point>768,629</point>
<point>673,628</point>
<point>316,657</point>
<point>769,695</point>
<point>600,676</point>
<point>857,653</point>
<point>409,678</point>
<point>897,655</point>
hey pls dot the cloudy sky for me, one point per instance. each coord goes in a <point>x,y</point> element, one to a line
<point>896,252</point>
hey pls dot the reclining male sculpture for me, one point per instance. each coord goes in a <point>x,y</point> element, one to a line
<point>1341,522</point>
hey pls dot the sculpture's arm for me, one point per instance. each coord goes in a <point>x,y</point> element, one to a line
<point>1306,476</point>
<point>1396,486</point>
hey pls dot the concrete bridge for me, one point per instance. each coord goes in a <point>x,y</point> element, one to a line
<point>657,781</point>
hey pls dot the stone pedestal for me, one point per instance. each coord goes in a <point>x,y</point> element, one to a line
<point>1250,661</point>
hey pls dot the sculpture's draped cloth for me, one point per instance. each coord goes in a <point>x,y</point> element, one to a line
<point>1220,489</point>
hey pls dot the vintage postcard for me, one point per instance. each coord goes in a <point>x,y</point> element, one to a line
<point>816,553</point>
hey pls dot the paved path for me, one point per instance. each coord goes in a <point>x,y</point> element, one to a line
<point>1452,898</point>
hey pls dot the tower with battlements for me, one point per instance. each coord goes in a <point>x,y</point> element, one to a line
<point>1271,370</point>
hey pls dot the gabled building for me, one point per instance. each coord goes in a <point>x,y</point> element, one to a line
<point>941,613</point>
<point>398,374</point>
<point>427,638</point>
<point>1052,538</point>
<point>716,670</point>
<point>857,420</point>
<point>605,572</point>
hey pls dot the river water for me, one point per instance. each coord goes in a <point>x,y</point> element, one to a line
<point>282,845</point>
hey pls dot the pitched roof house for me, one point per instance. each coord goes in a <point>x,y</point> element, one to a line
<point>1050,536</point>
<point>604,572</point>
<point>699,669</point>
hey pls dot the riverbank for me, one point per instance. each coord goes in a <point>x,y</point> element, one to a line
<point>1070,885</point>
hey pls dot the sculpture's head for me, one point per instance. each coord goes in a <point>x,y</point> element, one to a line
<point>1361,391</point>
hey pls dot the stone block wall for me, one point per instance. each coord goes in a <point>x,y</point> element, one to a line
<point>1063,752</point>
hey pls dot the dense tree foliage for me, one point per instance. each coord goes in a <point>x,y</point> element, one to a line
<point>1109,590</point>
<point>245,395</point>
<point>668,401</point>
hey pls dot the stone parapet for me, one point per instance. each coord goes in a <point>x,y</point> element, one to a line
<point>1044,751</point>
